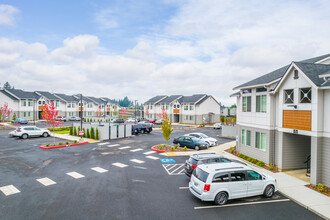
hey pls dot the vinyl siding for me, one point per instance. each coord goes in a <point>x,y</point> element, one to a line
<point>325,162</point>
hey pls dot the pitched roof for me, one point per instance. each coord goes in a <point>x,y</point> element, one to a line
<point>203,99</point>
<point>235,94</point>
<point>191,99</point>
<point>9,95</point>
<point>23,94</point>
<point>47,95</point>
<point>170,99</point>
<point>96,100</point>
<point>313,71</point>
<point>155,99</point>
<point>67,98</point>
<point>277,74</point>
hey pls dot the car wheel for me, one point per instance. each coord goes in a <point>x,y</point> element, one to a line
<point>24,136</point>
<point>221,198</point>
<point>45,134</point>
<point>269,191</point>
<point>196,147</point>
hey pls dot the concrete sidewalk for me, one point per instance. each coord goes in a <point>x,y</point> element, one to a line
<point>289,186</point>
<point>72,138</point>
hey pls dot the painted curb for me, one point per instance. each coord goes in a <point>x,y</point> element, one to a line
<point>60,146</point>
<point>160,151</point>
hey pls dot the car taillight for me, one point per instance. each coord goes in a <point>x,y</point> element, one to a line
<point>194,166</point>
<point>207,187</point>
<point>18,130</point>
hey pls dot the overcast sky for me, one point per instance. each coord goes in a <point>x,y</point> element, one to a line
<point>143,48</point>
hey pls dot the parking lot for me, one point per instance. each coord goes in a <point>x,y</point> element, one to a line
<point>117,179</point>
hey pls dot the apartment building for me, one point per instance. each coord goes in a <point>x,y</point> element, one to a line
<point>29,105</point>
<point>195,109</point>
<point>283,117</point>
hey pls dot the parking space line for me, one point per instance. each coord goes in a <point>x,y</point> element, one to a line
<point>106,153</point>
<point>75,175</point>
<point>181,171</point>
<point>100,144</point>
<point>241,204</point>
<point>9,190</point>
<point>152,157</point>
<point>122,148</point>
<point>121,165</point>
<point>184,187</point>
<point>137,149</point>
<point>137,161</point>
<point>143,168</point>
<point>113,145</point>
<point>171,167</point>
<point>149,152</point>
<point>177,169</point>
<point>46,181</point>
<point>99,169</point>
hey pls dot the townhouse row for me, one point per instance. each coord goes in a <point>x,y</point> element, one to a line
<point>29,105</point>
<point>283,117</point>
<point>195,109</point>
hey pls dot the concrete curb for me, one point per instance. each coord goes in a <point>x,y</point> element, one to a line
<point>160,151</point>
<point>60,146</point>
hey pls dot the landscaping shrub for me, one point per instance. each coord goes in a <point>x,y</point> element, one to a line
<point>78,130</point>
<point>176,146</point>
<point>271,166</point>
<point>74,131</point>
<point>84,135</point>
<point>87,135</point>
<point>66,142</point>
<point>60,143</point>
<point>172,148</point>
<point>160,147</point>
<point>232,150</point>
<point>97,134</point>
<point>71,131</point>
<point>185,148</point>
<point>260,164</point>
<point>14,117</point>
<point>84,119</point>
<point>245,157</point>
<point>320,187</point>
<point>240,155</point>
<point>47,145</point>
<point>75,141</point>
<point>92,133</point>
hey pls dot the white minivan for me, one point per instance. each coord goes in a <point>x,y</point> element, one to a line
<point>223,181</point>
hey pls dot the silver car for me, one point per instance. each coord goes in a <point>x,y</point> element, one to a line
<point>29,131</point>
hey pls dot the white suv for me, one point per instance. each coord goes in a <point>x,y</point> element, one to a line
<point>223,181</point>
<point>29,131</point>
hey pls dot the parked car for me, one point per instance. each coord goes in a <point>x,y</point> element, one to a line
<point>74,118</point>
<point>130,120</point>
<point>60,118</point>
<point>205,158</point>
<point>221,182</point>
<point>159,121</point>
<point>145,128</point>
<point>217,126</point>
<point>136,128</point>
<point>118,120</point>
<point>211,141</point>
<point>29,131</point>
<point>152,120</point>
<point>147,123</point>
<point>19,121</point>
<point>190,142</point>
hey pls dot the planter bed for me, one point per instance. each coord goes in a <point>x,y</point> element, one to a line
<point>167,148</point>
<point>64,145</point>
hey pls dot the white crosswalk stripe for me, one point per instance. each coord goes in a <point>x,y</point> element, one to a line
<point>121,165</point>
<point>46,181</point>
<point>149,152</point>
<point>122,148</point>
<point>137,149</point>
<point>113,145</point>
<point>152,157</point>
<point>9,190</point>
<point>75,175</point>
<point>137,161</point>
<point>99,169</point>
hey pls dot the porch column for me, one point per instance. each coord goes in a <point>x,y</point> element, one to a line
<point>280,150</point>
<point>315,160</point>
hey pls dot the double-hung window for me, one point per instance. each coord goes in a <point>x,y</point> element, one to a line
<point>246,137</point>
<point>185,107</point>
<point>191,117</point>
<point>23,103</point>
<point>261,141</point>
<point>191,107</point>
<point>243,136</point>
<point>246,104</point>
<point>261,103</point>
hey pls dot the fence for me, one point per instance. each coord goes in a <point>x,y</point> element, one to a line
<point>229,131</point>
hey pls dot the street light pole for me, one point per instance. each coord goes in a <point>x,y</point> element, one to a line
<point>135,111</point>
<point>34,111</point>
<point>81,113</point>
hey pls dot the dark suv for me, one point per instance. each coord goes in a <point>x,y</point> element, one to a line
<point>205,158</point>
<point>118,120</point>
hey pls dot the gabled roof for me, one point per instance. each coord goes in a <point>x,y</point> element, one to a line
<point>170,99</point>
<point>313,71</point>
<point>22,94</point>
<point>191,99</point>
<point>67,98</point>
<point>47,95</point>
<point>96,100</point>
<point>155,99</point>
<point>9,95</point>
<point>84,98</point>
<point>277,74</point>
<point>203,99</point>
<point>235,94</point>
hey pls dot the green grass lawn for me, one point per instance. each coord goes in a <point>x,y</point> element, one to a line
<point>62,132</point>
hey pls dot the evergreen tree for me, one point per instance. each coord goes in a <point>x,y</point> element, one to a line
<point>75,131</point>
<point>7,85</point>
<point>14,117</point>
<point>92,133</point>
<point>84,135</point>
<point>71,131</point>
<point>87,135</point>
<point>97,134</point>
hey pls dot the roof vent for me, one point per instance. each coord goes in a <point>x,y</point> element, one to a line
<point>296,74</point>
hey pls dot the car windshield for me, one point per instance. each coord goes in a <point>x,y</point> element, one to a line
<point>203,135</point>
<point>200,174</point>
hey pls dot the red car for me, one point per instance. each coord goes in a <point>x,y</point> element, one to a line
<point>152,121</point>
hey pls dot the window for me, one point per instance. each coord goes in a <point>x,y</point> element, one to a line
<point>43,102</point>
<point>246,91</point>
<point>253,175</point>
<point>238,176</point>
<point>261,103</point>
<point>186,117</point>
<point>30,103</point>
<point>248,137</point>
<point>29,114</point>
<point>39,102</point>
<point>191,107</point>
<point>261,89</point>
<point>167,107</point>
<point>200,174</point>
<point>73,105</point>
<point>295,74</point>
<point>24,114</point>
<point>261,141</point>
<point>306,95</point>
<point>150,106</point>
<point>185,107</point>
<point>288,96</point>
<point>246,104</point>
<point>69,105</point>
<point>243,136</point>
<point>220,177</point>
<point>23,103</point>
<point>191,117</point>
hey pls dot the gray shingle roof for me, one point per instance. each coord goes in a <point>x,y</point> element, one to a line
<point>202,100</point>
<point>9,95</point>
<point>235,94</point>
<point>170,99</point>
<point>313,71</point>
<point>95,100</point>
<point>269,77</point>
<point>191,99</point>
<point>48,95</point>
<point>67,98</point>
<point>23,94</point>
<point>155,99</point>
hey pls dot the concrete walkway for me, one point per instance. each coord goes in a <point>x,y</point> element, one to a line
<point>289,186</point>
<point>72,138</point>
